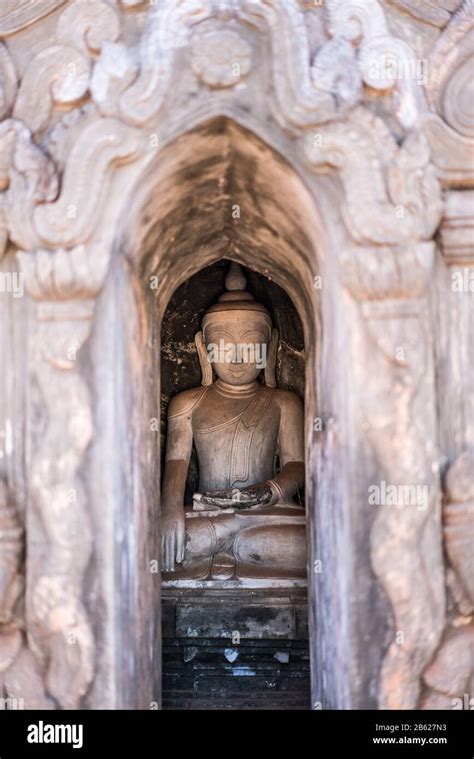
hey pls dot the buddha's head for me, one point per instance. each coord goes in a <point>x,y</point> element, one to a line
<point>237,339</point>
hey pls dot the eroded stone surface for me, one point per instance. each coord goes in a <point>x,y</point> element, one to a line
<point>128,153</point>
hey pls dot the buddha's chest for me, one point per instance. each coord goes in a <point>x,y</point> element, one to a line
<point>236,439</point>
<point>218,415</point>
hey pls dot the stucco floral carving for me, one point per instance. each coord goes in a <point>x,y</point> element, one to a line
<point>221,58</point>
<point>322,97</point>
<point>15,15</point>
<point>449,90</point>
<point>394,184</point>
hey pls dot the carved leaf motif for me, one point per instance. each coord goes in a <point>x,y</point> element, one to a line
<point>403,208</point>
<point>87,26</point>
<point>59,74</point>
<point>17,14</point>
<point>384,62</point>
<point>64,274</point>
<point>220,58</point>
<point>8,83</point>
<point>356,20</point>
<point>450,93</point>
<point>30,178</point>
<point>376,274</point>
<point>300,100</point>
<point>101,144</point>
<point>115,70</point>
<point>429,11</point>
<point>166,30</point>
<point>335,71</point>
<point>452,52</point>
<point>20,673</point>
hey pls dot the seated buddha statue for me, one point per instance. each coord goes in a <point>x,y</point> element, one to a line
<point>243,521</point>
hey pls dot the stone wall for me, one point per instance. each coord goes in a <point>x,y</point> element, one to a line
<point>130,133</point>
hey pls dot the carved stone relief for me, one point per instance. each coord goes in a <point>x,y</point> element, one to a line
<point>64,284</point>
<point>449,678</point>
<point>21,677</point>
<point>59,76</point>
<point>449,89</point>
<point>119,92</point>
<point>15,15</point>
<point>435,13</point>
<point>8,82</point>
<point>398,419</point>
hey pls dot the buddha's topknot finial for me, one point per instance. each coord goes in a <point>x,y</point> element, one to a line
<point>236,298</point>
<point>235,279</point>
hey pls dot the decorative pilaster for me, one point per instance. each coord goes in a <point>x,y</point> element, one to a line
<point>59,537</point>
<point>455,349</point>
<point>398,420</point>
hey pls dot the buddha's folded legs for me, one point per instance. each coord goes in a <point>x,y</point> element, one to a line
<point>254,544</point>
<point>274,547</point>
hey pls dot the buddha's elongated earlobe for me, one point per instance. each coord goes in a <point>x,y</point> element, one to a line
<point>269,374</point>
<point>206,367</point>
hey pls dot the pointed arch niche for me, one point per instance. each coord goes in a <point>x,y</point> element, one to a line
<point>219,192</point>
<point>231,643</point>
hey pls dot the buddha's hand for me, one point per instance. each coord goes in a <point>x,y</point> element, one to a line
<point>236,498</point>
<point>172,538</point>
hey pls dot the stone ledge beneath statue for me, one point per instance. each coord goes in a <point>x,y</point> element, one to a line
<point>246,583</point>
<point>217,613</point>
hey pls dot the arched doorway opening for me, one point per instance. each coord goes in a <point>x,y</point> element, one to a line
<point>235,632</point>
<point>219,192</point>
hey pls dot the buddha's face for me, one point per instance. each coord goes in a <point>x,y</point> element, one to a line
<point>237,346</point>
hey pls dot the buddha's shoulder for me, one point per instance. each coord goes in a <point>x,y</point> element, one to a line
<point>185,402</point>
<point>288,400</point>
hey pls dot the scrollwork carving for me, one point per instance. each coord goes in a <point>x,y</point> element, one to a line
<point>384,62</point>
<point>88,27</point>
<point>220,58</point>
<point>8,83</point>
<point>304,93</point>
<point>115,70</point>
<point>167,29</point>
<point>17,14</point>
<point>28,177</point>
<point>426,10</point>
<point>70,220</point>
<point>392,194</point>
<point>449,91</point>
<point>300,99</point>
<point>58,75</point>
